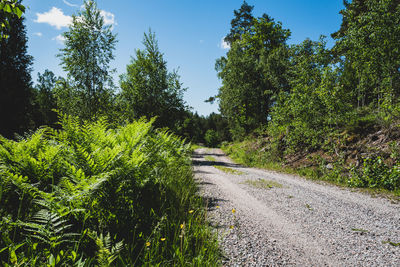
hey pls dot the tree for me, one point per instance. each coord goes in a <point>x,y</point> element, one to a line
<point>15,80</point>
<point>89,46</point>
<point>241,23</point>
<point>9,9</point>
<point>252,74</point>
<point>149,89</point>
<point>368,41</point>
<point>45,99</point>
<point>316,104</point>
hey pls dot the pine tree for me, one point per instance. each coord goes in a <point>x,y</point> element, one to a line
<point>241,23</point>
<point>149,89</point>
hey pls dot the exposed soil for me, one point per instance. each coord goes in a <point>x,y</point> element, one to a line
<point>293,221</point>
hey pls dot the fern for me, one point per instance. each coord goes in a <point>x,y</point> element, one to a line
<point>106,252</point>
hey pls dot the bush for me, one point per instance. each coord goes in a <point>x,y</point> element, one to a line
<point>211,137</point>
<point>375,173</point>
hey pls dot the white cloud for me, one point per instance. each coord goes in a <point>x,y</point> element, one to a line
<point>59,39</point>
<point>223,44</point>
<point>38,34</point>
<point>70,4</point>
<point>55,17</point>
<point>109,18</point>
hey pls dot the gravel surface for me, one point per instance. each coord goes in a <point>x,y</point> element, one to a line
<point>293,221</point>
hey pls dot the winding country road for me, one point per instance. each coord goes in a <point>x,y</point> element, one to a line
<point>264,218</point>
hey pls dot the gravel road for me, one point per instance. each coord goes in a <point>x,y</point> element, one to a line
<point>265,218</point>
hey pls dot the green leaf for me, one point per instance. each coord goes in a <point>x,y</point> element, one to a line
<point>52,261</point>
<point>18,12</point>
<point>7,8</point>
<point>73,253</point>
<point>13,257</point>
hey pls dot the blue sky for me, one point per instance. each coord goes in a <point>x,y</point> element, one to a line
<point>189,33</point>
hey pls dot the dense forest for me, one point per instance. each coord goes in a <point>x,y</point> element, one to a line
<point>306,105</point>
<point>98,173</point>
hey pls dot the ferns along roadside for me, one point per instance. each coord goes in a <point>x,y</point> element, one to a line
<point>90,195</point>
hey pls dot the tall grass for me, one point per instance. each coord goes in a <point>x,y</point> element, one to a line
<point>91,195</point>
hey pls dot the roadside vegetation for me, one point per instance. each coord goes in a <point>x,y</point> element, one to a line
<point>92,195</point>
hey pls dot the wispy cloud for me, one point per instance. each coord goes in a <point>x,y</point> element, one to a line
<point>109,18</point>
<point>54,17</point>
<point>59,39</point>
<point>38,34</point>
<point>70,4</point>
<point>223,44</point>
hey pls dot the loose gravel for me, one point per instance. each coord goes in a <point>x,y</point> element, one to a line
<point>298,223</point>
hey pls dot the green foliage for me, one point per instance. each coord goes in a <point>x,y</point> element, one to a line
<point>241,23</point>
<point>211,138</point>
<point>149,89</point>
<point>375,173</point>
<point>262,183</point>
<point>367,41</point>
<point>89,46</point>
<point>228,170</point>
<point>252,72</point>
<point>9,9</point>
<point>316,105</point>
<point>90,195</point>
<point>45,99</point>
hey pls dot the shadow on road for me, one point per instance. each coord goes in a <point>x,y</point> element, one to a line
<point>213,163</point>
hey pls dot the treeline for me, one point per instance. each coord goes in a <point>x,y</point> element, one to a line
<point>306,91</point>
<point>147,89</point>
<point>307,97</point>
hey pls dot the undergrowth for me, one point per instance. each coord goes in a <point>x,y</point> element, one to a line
<point>89,195</point>
<point>374,173</point>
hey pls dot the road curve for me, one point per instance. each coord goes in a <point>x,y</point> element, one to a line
<point>295,222</point>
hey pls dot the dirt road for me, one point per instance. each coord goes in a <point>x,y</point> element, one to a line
<point>264,218</point>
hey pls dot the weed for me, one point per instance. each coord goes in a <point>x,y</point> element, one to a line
<point>391,243</point>
<point>262,183</point>
<point>209,158</point>
<point>228,170</point>
<point>359,230</point>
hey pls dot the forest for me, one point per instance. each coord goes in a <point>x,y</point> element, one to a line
<point>326,113</point>
<point>94,173</point>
